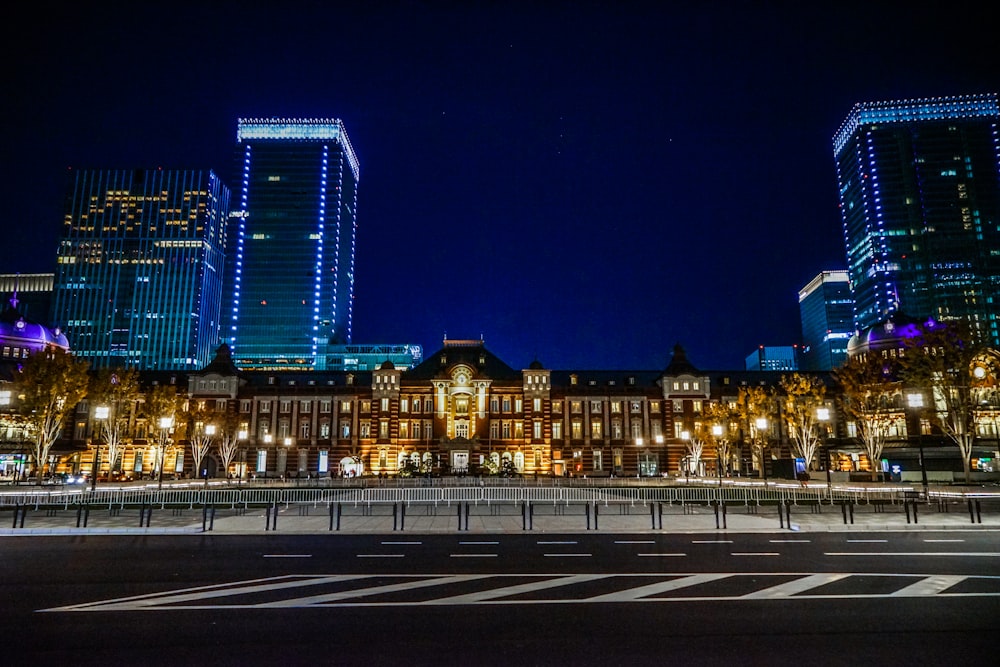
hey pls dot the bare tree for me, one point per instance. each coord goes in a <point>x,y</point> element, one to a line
<point>695,446</point>
<point>869,390</point>
<point>49,385</point>
<point>228,438</point>
<point>803,396</point>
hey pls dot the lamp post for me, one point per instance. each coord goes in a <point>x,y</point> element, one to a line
<point>288,444</point>
<point>686,436</point>
<point>823,416</point>
<point>101,414</point>
<point>166,423</point>
<point>241,436</point>
<point>717,432</point>
<point>761,424</point>
<point>267,441</point>
<point>916,402</point>
<point>209,432</point>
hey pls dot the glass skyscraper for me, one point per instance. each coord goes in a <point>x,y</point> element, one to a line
<point>139,268</point>
<point>827,314</point>
<point>918,182</point>
<point>291,278</point>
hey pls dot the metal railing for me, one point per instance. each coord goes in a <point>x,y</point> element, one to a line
<point>448,494</point>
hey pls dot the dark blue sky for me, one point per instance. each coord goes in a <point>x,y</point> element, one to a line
<point>585,183</point>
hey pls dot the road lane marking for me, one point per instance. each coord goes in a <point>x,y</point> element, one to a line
<point>790,541</point>
<point>635,541</point>
<point>380,555</point>
<point>395,543</point>
<point>338,596</point>
<point>369,590</point>
<point>985,554</point>
<point>567,555</point>
<point>573,542</point>
<point>479,543</point>
<point>930,586</point>
<point>657,555</point>
<point>944,540</point>
<point>632,594</point>
<point>287,555</point>
<point>790,588</point>
<point>529,587</point>
<point>711,541</point>
<point>754,553</point>
<point>473,555</point>
<point>867,541</point>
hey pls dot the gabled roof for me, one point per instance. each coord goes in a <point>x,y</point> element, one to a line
<point>679,364</point>
<point>221,364</point>
<point>470,353</point>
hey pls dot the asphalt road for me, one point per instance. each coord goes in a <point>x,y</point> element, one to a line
<point>750,598</point>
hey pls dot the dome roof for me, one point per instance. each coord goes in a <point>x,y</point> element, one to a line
<point>535,365</point>
<point>18,331</point>
<point>888,334</point>
<point>387,365</point>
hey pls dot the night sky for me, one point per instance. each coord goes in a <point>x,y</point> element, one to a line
<point>582,183</point>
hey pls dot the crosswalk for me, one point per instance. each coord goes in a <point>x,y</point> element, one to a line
<point>347,590</point>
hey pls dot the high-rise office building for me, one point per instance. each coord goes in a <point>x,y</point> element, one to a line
<point>919,190</point>
<point>33,292</point>
<point>827,314</point>
<point>291,281</point>
<point>773,358</point>
<point>139,267</point>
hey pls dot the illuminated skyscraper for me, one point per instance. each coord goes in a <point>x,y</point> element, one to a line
<point>827,313</point>
<point>291,275</point>
<point>919,199</point>
<point>139,268</point>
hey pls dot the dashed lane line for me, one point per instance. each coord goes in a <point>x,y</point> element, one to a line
<point>287,555</point>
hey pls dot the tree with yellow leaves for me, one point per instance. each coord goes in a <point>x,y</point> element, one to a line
<point>801,397</point>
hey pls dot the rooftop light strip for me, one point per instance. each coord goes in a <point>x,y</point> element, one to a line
<point>908,111</point>
<point>311,129</point>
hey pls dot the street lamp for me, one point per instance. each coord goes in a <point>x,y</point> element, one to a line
<point>686,436</point>
<point>242,436</point>
<point>916,403</point>
<point>761,424</point>
<point>267,441</point>
<point>717,432</point>
<point>823,416</point>
<point>166,423</point>
<point>101,414</point>
<point>209,432</point>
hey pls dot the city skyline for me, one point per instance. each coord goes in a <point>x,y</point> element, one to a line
<point>584,185</point>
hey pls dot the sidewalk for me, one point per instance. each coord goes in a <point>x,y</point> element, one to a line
<point>505,518</point>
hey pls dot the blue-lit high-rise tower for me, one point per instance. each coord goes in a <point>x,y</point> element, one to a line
<point>291,276</point>
<point>139,268</point>
<point>919,184</point>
